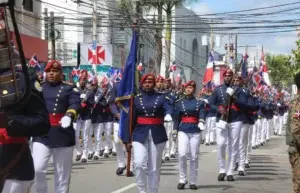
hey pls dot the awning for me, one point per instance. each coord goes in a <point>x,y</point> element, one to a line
<point>32,45</point>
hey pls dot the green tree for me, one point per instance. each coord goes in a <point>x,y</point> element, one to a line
<point>295,67</point>
<point>281,69</point>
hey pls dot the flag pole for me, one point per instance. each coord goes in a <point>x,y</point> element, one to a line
<point>131,103</point>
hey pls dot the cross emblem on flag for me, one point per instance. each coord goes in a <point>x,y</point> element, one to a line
<point>297,114</point>
<point>96,54</point>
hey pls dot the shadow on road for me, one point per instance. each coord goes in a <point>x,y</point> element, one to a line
<point>223,187</point>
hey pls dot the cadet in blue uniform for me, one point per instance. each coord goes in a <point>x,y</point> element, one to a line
<point>63,103</point>
<point>190,116</point>
<point>227,129</point>
<point>118,143</point>
<point>16,126</point>
<point>149,134</point>
<point>210,122</point>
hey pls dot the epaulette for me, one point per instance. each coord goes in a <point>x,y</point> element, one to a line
<point>179,99</point>
<point>68,83</point>
<point>138,94</point>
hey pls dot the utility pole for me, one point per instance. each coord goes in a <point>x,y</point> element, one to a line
<point>95,21</point>
<point>211,39</point>
<point>46,24</point>
<point>52,35</point>
<point>236,50</point>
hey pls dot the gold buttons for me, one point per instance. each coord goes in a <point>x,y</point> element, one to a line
<point>55,104</point>
<point>4,92</point>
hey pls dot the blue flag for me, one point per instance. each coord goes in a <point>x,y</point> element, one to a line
<point>126,90</point>
<point>245,67</point>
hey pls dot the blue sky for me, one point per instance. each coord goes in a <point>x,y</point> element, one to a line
<point>282,43</point>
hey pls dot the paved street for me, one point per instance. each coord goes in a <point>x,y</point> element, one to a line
<point>269,173</point>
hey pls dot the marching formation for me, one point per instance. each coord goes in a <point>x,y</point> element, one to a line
<point>169,121</point>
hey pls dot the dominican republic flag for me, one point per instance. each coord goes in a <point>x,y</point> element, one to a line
<point>209,72</point>
<point>33,62</point>
<point>264,69</point>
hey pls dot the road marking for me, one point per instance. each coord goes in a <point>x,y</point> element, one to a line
<point>125,188</point>
<point>214,150</point>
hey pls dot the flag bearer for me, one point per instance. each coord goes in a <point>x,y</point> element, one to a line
<point>149,135</point>
<point>63,103</point>
<point>190,114</point>
<point>119,147</point>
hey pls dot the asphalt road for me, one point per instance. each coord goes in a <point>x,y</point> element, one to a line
<point>269,173</point>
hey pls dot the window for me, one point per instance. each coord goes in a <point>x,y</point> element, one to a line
<point>28,5</point>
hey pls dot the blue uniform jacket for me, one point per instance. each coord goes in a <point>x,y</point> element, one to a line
<point>149,105</point>
<point>60,99</point>
<point>87,104</point>
<point>219,98</point>
<point>113,107</point>
<point>189,107</point>
<point>26,120</point>
<point>248,115</point>
<point>209,111</point>
<point>102,112</point>
<point>267,109</point>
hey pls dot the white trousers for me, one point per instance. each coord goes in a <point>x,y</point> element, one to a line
<point>188,145</point>
<point>98,129</point>
<point>16,186</point>
<point>280,127</point>
<point>243,144</point>
<point>169,143</point>
<point>62,162</point>
<point>119,147</point>
<point>85,125</point>
<point>249,144</point>
<point>258,131</point>
<point>147,164</point>
<point>231,136</point>
<point>210,127</point>
<point>285,117</point>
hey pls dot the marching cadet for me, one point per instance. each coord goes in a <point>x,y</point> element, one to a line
<point>118,143</point>
<point>228,126</point>
<point>210,121</point>
<point>18,123</point>
<point>168,124</point>
<point>293,136</point>
<point>63,103</point>
<point>149,135</point>
<point>266,110</point>
<point>102,119</point>
<point>245,129</point>
<point>190,116</point>
<point>84,119</point>
<point>159,87</point>
<point>281,109</point>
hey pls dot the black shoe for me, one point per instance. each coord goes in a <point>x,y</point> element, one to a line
<point>101,152</point>
<point>78,157</point>
<point>114,153</point>
<point>261,144</point>
<point>202,142</point>
<point>221,177</point>
<point>253,147</point>
<point>230,178</point>
<point>167,158</point>
<point>106,155</point>
<point>90,156</point>
<point>162,161</point>
<point>110,151</point>
<point>212,143</point>
<point>172,156</point>
<point>83,160</point>
<point>241,173</point>
<point>207,144</point>
<point>120,171</point>
<point>181,186</point>
<point>193,187</point>
<point>247,166</point>
<point>131,174</point>
<point>96,157</point>
<point>236,166</point>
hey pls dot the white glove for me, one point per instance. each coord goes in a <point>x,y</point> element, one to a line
<point>82,96</point>
<point>96,98</point>
<point>279,104</point>
<point>65,122</point>
<point>229,91</point>
<point>206,101</point>
<point>168,118</point>
<point>201,126</point>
